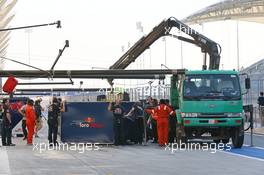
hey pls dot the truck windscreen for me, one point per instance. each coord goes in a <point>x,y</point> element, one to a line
<point>211,86</point>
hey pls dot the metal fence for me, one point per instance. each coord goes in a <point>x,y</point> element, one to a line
<point>257,86</point>
<point>142,92</point>
<point>258,118</point>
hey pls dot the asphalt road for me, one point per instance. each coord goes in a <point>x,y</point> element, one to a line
<point>135,159</point>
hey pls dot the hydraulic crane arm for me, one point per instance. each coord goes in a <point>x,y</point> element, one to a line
<point>163,29</point>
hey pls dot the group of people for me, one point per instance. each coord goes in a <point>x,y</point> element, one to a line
<point>160,122</point>
<point>127,126</point>
<point>32,120</point>
<point>156,118</point>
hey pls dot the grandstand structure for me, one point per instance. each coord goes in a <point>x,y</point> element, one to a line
<point>5,18</point>
<point>244,10</point>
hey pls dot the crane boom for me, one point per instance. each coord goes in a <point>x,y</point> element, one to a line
<point>163,29</point>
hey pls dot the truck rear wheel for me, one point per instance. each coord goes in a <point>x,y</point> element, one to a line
<point>217,141</point>
<point>225,141</point>
<point>238,138</point>
<point>181,140</point>
<point>180,135</point>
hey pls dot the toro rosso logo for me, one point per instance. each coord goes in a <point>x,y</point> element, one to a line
<point>16,105</point>
<point>88,122</point>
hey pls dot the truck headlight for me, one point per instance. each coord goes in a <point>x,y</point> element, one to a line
<point>188,114</point>
<point>233,114</point>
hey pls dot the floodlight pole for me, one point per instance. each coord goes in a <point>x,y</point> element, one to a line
<point>59,55</point>
<point>58,23</point>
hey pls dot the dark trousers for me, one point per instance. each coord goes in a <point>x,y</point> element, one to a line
<point>24,128</point>
<point>129,129</point>
<point>53,132</point>
<point>119,134</point>
<point>6,134</point>
<point>139,129</point>
<point>172,129</point>
<point>154,130</point>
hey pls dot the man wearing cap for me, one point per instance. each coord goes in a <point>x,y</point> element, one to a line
<point>53,117</point>
<point>118,122</point>
<point>7,124</point>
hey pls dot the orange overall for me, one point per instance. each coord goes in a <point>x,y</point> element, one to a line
<point>162,112</point>
<point>30,122</point>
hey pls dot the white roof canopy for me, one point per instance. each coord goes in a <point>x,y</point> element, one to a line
<point>246,10</point>
<point>5,8</point>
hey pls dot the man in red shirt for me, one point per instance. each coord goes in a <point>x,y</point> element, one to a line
<point>162,111</point>
<point>30,121</point>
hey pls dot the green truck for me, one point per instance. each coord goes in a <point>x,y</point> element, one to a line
<point>209,106</point>
<point>208,102</point>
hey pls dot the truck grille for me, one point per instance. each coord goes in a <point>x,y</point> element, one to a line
<point>211,115</point>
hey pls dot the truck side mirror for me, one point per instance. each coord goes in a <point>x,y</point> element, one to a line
<point>247,83</point>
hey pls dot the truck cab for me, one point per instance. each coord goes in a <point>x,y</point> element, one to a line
<point>209,106</point>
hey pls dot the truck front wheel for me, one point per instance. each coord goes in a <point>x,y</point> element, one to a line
<point>238,138</point>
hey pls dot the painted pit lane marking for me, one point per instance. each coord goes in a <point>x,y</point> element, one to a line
<point>255,153</point>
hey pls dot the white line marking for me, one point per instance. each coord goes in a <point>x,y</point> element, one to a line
<point>240,155</point>
<point>259,135</point>
<point>4,165</point>
<point>254,146</point>
<point>259,147</point>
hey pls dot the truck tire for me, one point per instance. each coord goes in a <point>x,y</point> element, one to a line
<point>182,141</point>
<point>217,141</point>
<point>180,136</point>
<point>225,141</point>
<point>238,138</point>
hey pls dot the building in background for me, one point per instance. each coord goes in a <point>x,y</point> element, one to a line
<point>255,72</point>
